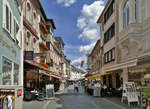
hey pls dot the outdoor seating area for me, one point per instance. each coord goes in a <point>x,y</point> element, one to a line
<point>107,92</point>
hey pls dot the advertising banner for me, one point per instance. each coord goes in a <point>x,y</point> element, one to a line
<point>145,97</point>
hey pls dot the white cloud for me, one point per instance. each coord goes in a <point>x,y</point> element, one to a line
<point>87,48</point>
<point>87,21</point>
<point>66,3</point>
<point>77,61</point>
<point>90,30</point>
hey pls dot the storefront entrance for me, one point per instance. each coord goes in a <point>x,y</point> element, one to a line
<point>118,80</point>
<point>110,81</point>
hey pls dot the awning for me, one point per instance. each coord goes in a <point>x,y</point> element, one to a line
<point>98,76</point>
<point>55,76</point>
<point>35,64</point>
<point>131,63</point>
<point>147,76</point>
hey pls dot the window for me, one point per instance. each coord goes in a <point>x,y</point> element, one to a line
<point>28,41</point>
<point>109,11</point>
<point>28,13</point>
<point>16,29</point>
<point>109,56</point>
<point>34,45</point>
<point>109,33</point>
<point>9,22</point>
<point>136,9</point>
<point>16,74</point>
<point>34,20</point>
<point>7,71</point>
<point>126,14</point>
<point>8,19</point>
<point>48,44</point>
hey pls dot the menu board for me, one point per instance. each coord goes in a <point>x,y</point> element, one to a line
<point>50,91</point>
<point>131,94</point>
<point>145,97</point>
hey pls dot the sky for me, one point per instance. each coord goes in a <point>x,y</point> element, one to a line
<point>75,22</point>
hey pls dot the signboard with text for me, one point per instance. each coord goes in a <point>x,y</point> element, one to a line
<point>28,55</point>
<point>130,92</point>
<point>50,91</point>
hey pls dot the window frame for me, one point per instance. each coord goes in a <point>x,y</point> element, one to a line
<point>109,11</point>
<point>126,14</point>
<point>28,12</point>
<point>8,18</point>
<point>109,56</point>
<point>109,33</point>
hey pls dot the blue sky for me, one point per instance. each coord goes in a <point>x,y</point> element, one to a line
<point>75,22</point>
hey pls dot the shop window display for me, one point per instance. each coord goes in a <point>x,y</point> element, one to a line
<point>7,99</point>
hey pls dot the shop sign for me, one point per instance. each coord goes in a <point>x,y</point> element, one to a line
<point>28,55</point>
<point>10,47</point>
<point>130,92</point>
<point>19,92</point>
<point>49,91</point>
<point>145,97</point>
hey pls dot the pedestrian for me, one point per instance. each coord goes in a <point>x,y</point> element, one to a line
<point>97,88</point>
<point>76,87</point>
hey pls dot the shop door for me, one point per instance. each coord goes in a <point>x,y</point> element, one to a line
<point>104,79</point>
<point>110,81</point>
<point>118,82</point>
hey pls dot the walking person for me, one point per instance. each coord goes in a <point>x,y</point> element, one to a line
<point>97,88</point>
<point>76,87</point>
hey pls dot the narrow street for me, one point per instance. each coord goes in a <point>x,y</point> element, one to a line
<point>70,100</point>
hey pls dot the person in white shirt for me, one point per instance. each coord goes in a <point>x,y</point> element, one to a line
<point>76,87</point>
<point>97,88</point>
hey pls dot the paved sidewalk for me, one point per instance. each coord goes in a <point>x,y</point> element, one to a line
<point>68,99</point>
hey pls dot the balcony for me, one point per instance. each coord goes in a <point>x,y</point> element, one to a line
<point>42,44</point>
<point>43,28</point>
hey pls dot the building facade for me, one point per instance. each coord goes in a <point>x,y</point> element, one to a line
<point>108,21</point>
<point>124,26</point>
<point>94,59</point>
<point>11,60</point>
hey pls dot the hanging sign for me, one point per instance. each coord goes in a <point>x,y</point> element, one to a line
<point>28,55</point>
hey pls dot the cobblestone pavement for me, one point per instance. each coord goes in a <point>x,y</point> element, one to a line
<point>70,100</point>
